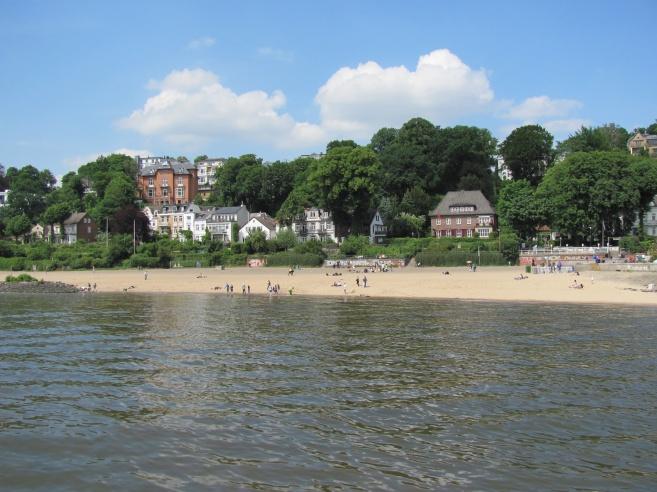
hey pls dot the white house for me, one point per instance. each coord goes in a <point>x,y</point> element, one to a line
<point>259,222</point>
<point>172,219</point>
<point>207,174</point>
<point>314,223</point>
<point>219,221</point>
<point>4,197</point>
<point>378,230</point>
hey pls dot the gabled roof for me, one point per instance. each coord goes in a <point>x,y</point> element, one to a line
<point>75,218</point>
<point>177,167</point>
<point>473,198</point>
<point>264,219</point>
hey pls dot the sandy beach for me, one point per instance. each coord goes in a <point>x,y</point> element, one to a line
<point>487,283</point>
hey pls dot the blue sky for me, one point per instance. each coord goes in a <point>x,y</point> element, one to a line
<point>282,78</point>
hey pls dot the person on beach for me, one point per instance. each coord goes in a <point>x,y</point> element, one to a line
<point>243,289</point>
<point>145,275</point>
<point>357,282</point>
<point>364,281</point>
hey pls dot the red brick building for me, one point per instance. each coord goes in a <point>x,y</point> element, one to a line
<point>168,182</point>
<point>463,214</point>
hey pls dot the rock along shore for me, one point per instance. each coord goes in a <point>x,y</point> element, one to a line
<point>38,288</point>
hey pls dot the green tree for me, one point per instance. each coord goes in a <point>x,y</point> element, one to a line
<point>334,144</point>
<point>234,233</point>
<point>256,242</point>
<point>200,158</point>
<point>18,226</point>
<point>346,183</point>
<point>518,208</point>
<point>286,239</point>
<point>120,192</point>
<point>589,139</point>
<point>416,201</point>
<point>56,214</point>
<point>652,129</point>
<point>643,171</point>
<point>528,153</point>
<point>382,139</point>
<point>590,192</point>
<point>466,156</point>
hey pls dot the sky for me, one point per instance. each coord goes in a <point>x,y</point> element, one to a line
<point>281,79</point>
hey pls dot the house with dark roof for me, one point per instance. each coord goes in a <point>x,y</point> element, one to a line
<point>78,226</point>
<point>463,214</point>
<point>168,181</point>
<point>643,142</point>
<point>259,221</point>
<point>219,221</point>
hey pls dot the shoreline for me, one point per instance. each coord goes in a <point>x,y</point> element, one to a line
<point>486,284</point>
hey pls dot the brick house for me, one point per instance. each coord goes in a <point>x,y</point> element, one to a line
<point>168,182</point>
<point>463,214</point>
<point>78,226</point>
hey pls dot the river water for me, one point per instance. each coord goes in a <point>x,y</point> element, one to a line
<point>203,392</point>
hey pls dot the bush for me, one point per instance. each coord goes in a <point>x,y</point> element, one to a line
<point>354,245</point>
<point>287,258</point>
<point>631,244</point>
<point>459,258</point>
<point>142,261</point>
<point>313,247</point>
<point>23,277</point>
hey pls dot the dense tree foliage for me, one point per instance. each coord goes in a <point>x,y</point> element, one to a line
<point>345,180</point>
<point>590,193</point>
<point>589,139</point>
<point>527,153</point>
<point>518,208</point>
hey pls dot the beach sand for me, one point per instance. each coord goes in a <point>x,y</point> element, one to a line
<point>487,283</point>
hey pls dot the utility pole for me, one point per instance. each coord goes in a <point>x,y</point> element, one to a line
<point>134,236</point>
<point>107,232</point>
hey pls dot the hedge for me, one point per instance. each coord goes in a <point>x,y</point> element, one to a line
<point>460,258</point>
<point>288,258</point>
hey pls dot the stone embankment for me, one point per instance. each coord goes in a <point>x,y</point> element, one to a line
<point>38,287</point>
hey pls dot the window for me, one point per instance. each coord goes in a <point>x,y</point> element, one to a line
<point>484,232</point>
<point>180,181</point>
<point>653,217</point>
<point>150,181</point>
<point>469,232</point>
<point>165,192</point>
<point>150,193</point>
<point>438,221</point>
<point>88,229</point>
<point>165,182</point>
<point>469,220</point>
<point>458,221</point>
<point>459,233</point>
<point>448,221</point>
<point>180,192</point>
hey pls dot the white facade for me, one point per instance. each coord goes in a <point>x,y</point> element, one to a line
<point>207,171</point>
<point>172,220</point>
<point>259,222</point>
<point>220,221</point>
<point>316,224</point>
<point>378,230</point>
<point>4,198</point>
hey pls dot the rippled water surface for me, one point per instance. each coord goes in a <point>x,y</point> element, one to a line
<point>196,392</point>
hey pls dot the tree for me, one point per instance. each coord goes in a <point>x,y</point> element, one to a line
<point>528,153</point>
<point>382,139</point>
<point>286,239</point>
<point>408,157</point>
<point>120,192</point>
<point>589,139</point>
<point>518,208</point>
<point>334,144</point>
<point>4,182</point>
<point>200,158</point>
<point>256,242</point>
<point>18,225</point>
<point>589,193</point>
<point>416,201</point>
<point>234,233</point>
<point>56,214</point>
<point>346,183</point>
<point>182,158</point>
<point>652,129</point>
<point>29,190</point>
<point>644,173</point>
<point>466,157</point>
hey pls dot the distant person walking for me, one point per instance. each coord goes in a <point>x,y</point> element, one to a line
<point>364,281</point>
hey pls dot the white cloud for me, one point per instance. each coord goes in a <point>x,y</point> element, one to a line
<point>276,54</point>
<point>443,89</point>
<point>563,128</point>
<point>76,161</point>
<point>204,42</point>
<point>192,106</point>
<point>539,107</point>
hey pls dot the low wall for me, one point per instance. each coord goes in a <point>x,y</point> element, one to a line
<point>365,262</point>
